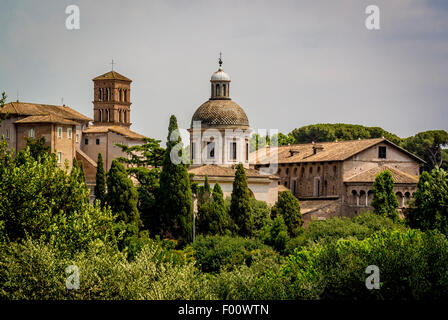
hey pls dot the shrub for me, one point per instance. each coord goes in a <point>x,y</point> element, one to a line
<point>213,253</point>
<point>412,266</point>
<point>33,270</point>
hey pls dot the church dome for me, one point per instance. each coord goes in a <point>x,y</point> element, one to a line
<point>220,75</point>
<point>221,113</point>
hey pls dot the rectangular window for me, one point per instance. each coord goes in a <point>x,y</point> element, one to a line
<point>97,141</point>
<point>59,132</point>
<point>382,152</point>
<point>247,152</point>
<point>211,150</point>
<point>69,133</point>
<point>59,157</point>
<point>233,150</point>
<point>86,141</point>
<point>193,149</point>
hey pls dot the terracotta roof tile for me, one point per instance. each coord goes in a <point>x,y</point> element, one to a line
<point>50,118</point>
<point>221,171</point>
<point>112,75</point>
<point>326,151</point>
<point>370,175</point>
<point>117,129</point>
<point>36,109</point>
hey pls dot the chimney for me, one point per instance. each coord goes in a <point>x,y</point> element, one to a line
<point>317,148</point>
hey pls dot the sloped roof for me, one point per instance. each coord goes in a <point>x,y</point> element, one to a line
<point>49,118</point>
<point>328,151</point>
<point>112,75</point>
<point>221,171</point>
<point>117,129</point>
<point>370,175</point>
<point>37,109</point>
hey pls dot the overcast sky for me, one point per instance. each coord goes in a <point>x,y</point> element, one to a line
<point>292,63</point>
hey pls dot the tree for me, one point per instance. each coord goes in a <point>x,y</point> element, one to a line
<point>289,208</point>
<point>40,200</point>
<point>143,164</point>
<point>428,146</point>
<point>324,132</point>
<point>121,195</point>
<point>212,215</point>
<point>240,208</point>
<point>384,200</point>
<point>174,197</point>
<point>37,147</point>
<point>100,180</point>
<point>429,207</point>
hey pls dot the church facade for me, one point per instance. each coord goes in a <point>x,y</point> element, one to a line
<point>219,140</point>
<point>71,134</point>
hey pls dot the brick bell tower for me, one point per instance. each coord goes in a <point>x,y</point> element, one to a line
<point>112,100</point>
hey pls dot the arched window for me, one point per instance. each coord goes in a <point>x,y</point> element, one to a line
<point>108,115</point>
<point>311,170</point>
<point>224,90</point>
<point>120,95</point>
<point>318,169</point>
<point>218,91</point>
<point>302,174</point>
<point>295,172</point>
<point>287,171</point>
<point>334,170</point>
<point>108,94</point>
<point>125,92</point>
<point>101,115</point>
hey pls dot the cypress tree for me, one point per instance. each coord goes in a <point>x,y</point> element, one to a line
<point>212,215</point>
<point>204,192</point>
<point>100,185</point>
<point>121,195</point>
<point>82,175</point>
<point>288,206</point>
<point>384,200</point>
<point>174,196</point>
<point>240,208</point>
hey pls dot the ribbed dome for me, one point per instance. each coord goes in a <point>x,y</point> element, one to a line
<point>216,113</point>
<point>220,75</point>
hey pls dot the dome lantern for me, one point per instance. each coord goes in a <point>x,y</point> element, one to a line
<point>220,83</point>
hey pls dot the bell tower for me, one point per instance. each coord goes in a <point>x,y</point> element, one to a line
<point>112,100</point>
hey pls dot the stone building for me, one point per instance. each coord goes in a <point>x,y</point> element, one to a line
<point>219,140</point>
<point>71,134</point>
<point>336,178</point>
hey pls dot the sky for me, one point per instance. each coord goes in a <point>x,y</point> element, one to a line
<point>292,63</point>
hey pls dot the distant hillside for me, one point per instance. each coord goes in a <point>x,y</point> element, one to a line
<point>324,132</point>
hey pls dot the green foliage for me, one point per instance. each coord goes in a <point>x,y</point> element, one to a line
<point>34,270</point>
<point>261,214</point>
<point>428,146</point>
<point>100,180</point>
<point>429,207</point>
<point>384,200</point>
<point>336,270</point>
<point>240,209</point>
<point>289,208</point>
<point>276,234</point>
<point>37,147</point>
<point>143,163</point>
<point>339,131</point>
<point>175,197</point>
<point>41,201</point>
<point>213,253</point>
<point>212,215</point>
<point>121,195</point>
